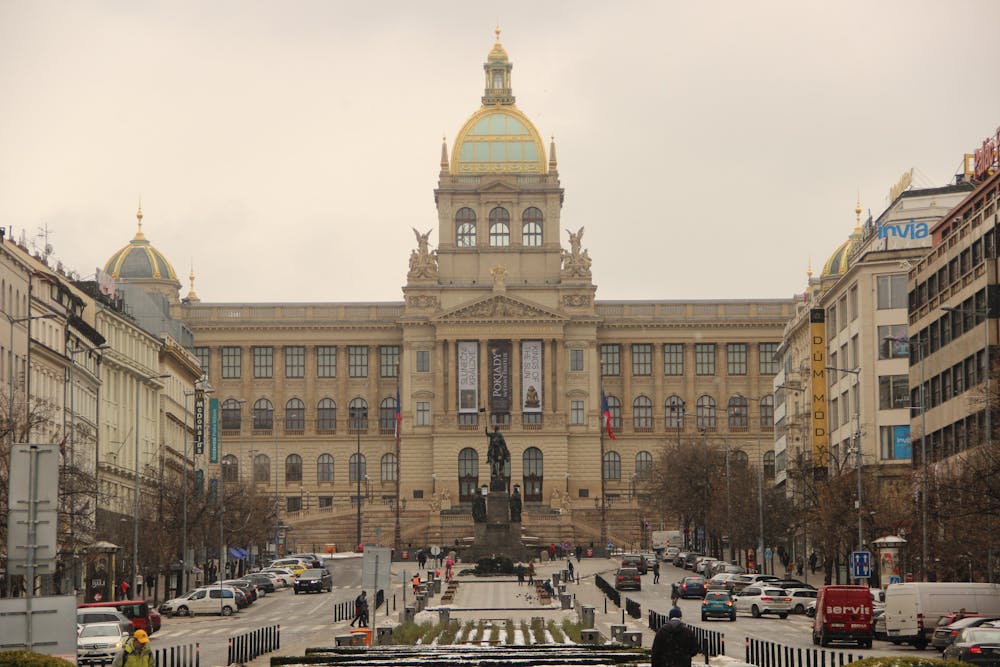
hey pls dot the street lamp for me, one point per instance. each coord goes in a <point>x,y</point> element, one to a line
<point>857,447</point>
<point>985,314</point>
<point>10,361</point>
<point>135,491</point>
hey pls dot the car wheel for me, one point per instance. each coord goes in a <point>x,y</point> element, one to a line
<point>815,639</point>
<point>800,609</point>
<point>755,611</point>
<point>704,617</point>
<point>227,611</point>
<point>823,641</point>
<point>182,611</point>
<point>865,644</point>
<point>920,644</point>
<point>732,617</point>
<point>296,591</point>
<point>783,614</point>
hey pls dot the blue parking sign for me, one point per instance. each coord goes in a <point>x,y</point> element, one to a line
<point>861,562</point>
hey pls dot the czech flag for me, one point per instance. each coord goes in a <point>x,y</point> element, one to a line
<point>606,411</point>
<point>399,413</point>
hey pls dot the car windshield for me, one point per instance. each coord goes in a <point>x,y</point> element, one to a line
<point>101,631</point>
<point>981,636</point>
<point>717,596</point>
<point>311,573</point>
<point>774,591</point>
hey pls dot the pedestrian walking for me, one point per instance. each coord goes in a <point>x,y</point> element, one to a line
<point>137,652</point>
<point>519,570</point>
<point>360,603</point>
<point>675,594</point>
<point>449,568</point>
<point>124,589</point>
<point>656,572</point>
<point>569,566</point>
<point>416,583</point>
<point>579,552</point>
<point>422,559</point>
<point>674,644</point>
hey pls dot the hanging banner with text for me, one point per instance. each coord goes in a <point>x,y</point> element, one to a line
<point>213,433</point>
<point>531,376</point>
<point>821,437</point>
<point>199,421</point>
<point>499,370</point>
<point>468,376</point>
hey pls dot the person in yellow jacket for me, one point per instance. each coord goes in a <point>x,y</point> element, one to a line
<point>137,652</point>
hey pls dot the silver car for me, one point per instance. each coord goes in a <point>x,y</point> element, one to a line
<point>763,599</point>
<point>99,643</point>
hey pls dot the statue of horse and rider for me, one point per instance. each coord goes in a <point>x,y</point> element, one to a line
<point>497,456</point>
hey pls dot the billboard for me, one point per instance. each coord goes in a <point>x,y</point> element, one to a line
<point>498,358</point>
<point>199,421</point>
<point>213,433</point>
<point>531,376</point>
<point>468,376</point>
<point>820,434</point>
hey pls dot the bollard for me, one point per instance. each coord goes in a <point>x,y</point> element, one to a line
<point>616,632</point>
<point>587,616</point>
<point>407,614</point>
<point>555,578</point>
<point>444,615</point>
<point>631,638</point>
<point>565,600</point>
<point>437,586</point>
<point>590,636</point>
<point>562,588</point>
<point>383,635</point>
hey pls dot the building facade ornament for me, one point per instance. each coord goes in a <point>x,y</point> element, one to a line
<point>576,261</point>
<point>499,273</point>
<point>423,301</point>
<point>423,261</point>
<point>577,300</point>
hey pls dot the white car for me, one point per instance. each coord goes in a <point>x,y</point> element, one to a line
<point>213,600</point>
<point>764,599</point>
<point>285,576</point>
<point>99,643</point>
<point>801,597</point>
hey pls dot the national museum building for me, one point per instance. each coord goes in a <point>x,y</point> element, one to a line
<point>498,327</point>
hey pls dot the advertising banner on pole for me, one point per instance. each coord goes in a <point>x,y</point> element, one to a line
<point>820,436</point>
<point>531,376</point>
<point>213,433</point>
<point>199,421</point>
<point>498,359</point>
<point>468,376</point>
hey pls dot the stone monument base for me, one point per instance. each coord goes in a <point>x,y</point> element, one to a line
<point>499,536</point>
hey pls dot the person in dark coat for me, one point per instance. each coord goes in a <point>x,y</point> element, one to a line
<point>674,644</point>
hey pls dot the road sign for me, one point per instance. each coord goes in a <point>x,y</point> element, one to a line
<point>435,551</point>
<point>375,568</point>
<point>33,499</point>
<point>861,564</point>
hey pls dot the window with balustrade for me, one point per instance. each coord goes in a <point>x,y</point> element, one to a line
<point>293,468</point>
<point>531,227</point>
<point>232,415</point>
<point>295,415</point>
<point>326,416</point>
<point>324,468</point>
<point>263,415</point>
<point>499,227</point>
<point>705,413</point>
<point>674,411</point>
<point>612,466</point>
<point>738,412</point>
<point>357,419</point>
<point>642,414</point>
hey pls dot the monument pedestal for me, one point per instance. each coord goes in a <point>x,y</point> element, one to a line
<point>498,535</point>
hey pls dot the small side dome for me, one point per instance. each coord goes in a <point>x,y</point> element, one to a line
<point>837,264</point>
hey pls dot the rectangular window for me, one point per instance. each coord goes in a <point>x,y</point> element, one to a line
<point>704,358</point>
<point>576,413</point>
<point>326,361</point>
<point>855,358</point>
<point>611,359</point>
<point>202,354</point>
<point>768,359</point>
<point>842,308</point>
<point>834,413</point>
<point>231,362</point>
<point>852,300</point>
<point>294,503</point>
<point>893,391</point>
<point>642,359</point>
<point>295,361</point>
<point>893,342</point>
<point>576,360</point>
<point>673,359</point>
<point>894,442</point>
<point>423,361</point>
<point>736,358</point>
<point>389,361</point>
<point>423,413</point>
<point>325,502</point>
<point>891,291</point>
<point>357,361</point>
<point>263,362</point>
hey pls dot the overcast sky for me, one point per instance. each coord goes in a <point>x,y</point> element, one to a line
<point>285,149</point>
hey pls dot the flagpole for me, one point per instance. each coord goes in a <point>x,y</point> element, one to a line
<point>604,502</point>
<point>398,536</point>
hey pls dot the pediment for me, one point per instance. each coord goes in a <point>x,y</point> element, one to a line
<point>500,307</point>
<point>497,185</point>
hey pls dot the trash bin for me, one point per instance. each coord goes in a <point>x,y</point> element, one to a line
<point>364,636</point>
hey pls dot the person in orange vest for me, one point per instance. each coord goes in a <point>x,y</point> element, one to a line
<point>416,584</point>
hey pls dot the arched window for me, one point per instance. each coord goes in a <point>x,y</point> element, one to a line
<point>261,468</point>
<point>357,420</point>
<point>769,464</point>
<point>468,474</point>
<point>531,227</point>
<point>738,458</point>
<point>738,413</point>
<point>263,415</point>
<point>767,412</point>
<point>326,416</point>
<point>357,468</point>
<point>705,412</point>
<point>232,416</point>
<point>674,410</point>
<point>499,227</point>
<point>230,468</point>
<point>612,466</point>
<point>642,414</point>
<point>643,466</point>
<point>295,415</point>
<point>465,228</point>
<point>324,468</point>
<point>533,474</point>
<point>293,468</point>
<point>387,416</point>
<point>389,469</point>
<point>615,407</point>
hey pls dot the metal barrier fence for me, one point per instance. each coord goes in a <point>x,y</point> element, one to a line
<point>344,611</point>
<point>186,655</point>
<point>608,590</point>
<point>633,608</point>
<point>712,642</point>
<point>251,644</point>
<point>769,654</point>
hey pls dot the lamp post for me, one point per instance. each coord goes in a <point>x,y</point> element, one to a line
<point>135,491</point>
<point>985,314</point>
<point>357,477</point>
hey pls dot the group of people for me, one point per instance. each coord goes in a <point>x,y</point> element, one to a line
<point>522,570</point>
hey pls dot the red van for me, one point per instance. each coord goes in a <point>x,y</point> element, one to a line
<point>136,611</point>
<point>843,613</point>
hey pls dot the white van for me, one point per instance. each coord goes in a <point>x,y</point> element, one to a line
<point>213,600</point>
<point>912,609</point>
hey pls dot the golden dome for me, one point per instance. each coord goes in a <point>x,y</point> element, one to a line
<point>498,52</point>
<point>838,264</point>
<point>139,260</point>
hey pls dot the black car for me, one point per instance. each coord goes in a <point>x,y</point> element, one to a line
<point>692,587</point>
<point>636,561</point>
<point>248,587</point>
<point>316,579</point>
<point>262,581</point>
<point>627,578</point>
<point>980,646</point>
<point>689,560</point>
<point>944,635</point>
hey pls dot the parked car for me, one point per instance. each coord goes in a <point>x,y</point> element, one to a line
<point>294,564</point>
<point>103,615</point>
<point>636,561</point>
<point>650,559</point>
<point>136,611</point>
<point>692,587</point>
<point>262,581</point>
<point>670,553</point>
<point>690,560</point>
<point>722,582</point>
<point>309,560</point>
<point>792,583</point>
<point>800,598</point>
<point>944,634</point>
<point>760,599</point>
<point>718,604</point>
<point>212,600</point>
<point>878,623</point>
<point>100,643</point>
<point>628,579</point>
<point>680,558</point>
<point>155,620</point>
<point>701,563</point>
<point>318,579</point>
<point>248,587</point>
<point>979,646</point>
<point>286,576</point>
<point>744,580</point>
<point>843,613</point>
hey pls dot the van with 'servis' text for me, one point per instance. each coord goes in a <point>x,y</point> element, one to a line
<point>913,609</point>
<point>843,613</point>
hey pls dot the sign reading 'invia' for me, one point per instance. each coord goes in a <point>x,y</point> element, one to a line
<point>909,230</point>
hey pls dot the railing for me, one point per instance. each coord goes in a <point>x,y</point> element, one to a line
<point>633,608</point>
<point>769,654</point>
<point>185,655</point>
<point>343,611</point>
<point>249,645</point>
<point>608,590</point>
<point>712,642</point>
